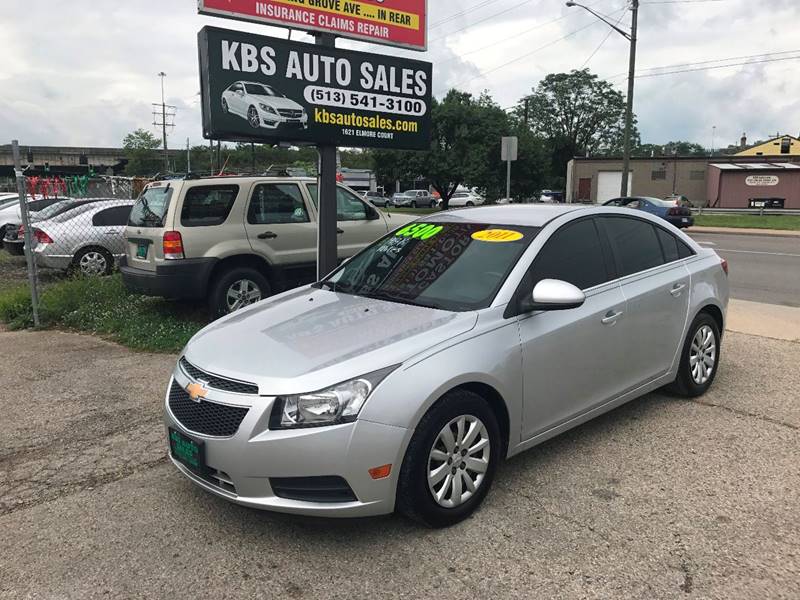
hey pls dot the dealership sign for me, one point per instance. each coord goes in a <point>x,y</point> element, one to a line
<point>392,22</point>
<point>264,89</point>
<point>762,180</point>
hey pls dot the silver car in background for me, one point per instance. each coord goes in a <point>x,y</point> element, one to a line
<point>87,238</point>
<point>401,380</point>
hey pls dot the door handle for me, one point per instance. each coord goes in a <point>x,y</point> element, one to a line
<point>112,232</point>
<point>339,231</point>
<point>268,235</point>
<point>611,317</point>
<point>677,289</point>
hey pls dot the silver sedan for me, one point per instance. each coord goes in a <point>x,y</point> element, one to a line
<point>401,380</point>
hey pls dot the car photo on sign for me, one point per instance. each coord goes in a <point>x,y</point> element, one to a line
<point>262,106</point>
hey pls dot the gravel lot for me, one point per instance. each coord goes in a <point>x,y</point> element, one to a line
<point>662,498</point>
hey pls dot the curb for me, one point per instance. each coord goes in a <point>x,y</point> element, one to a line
<point>744,231</point>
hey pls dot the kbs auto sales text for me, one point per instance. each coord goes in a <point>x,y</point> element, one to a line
<point>313,67</point>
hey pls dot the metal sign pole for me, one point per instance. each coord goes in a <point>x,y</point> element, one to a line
<point>327,251</point>
<point>23,209</point>
<point>508,180</point>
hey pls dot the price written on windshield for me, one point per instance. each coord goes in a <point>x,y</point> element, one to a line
<point>398,105</point>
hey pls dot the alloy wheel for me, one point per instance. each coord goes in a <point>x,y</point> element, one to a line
<point>703,355</point>
<point>458,461</point>
<point>93,263</point>
<point>241,293</point>
<point>252,117</point>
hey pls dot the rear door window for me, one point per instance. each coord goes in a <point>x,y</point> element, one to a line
<point>275,203</point>
<point>208,205</point>
<point>635,244</point>
<point>573,254</point>
<point>116,216</point>
<point>151,208</point>
<point>669,244</point>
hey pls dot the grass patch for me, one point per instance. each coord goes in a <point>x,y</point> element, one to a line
<point>103,306</point>
<point>785,222</point>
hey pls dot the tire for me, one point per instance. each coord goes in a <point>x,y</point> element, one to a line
<point>225,108</point>
<point>470,203</point>
<point>415,495</point>
<point>253,118</point>
<point>92,262</point>
<point>433,203</point>
<point>692,382</point>
<point>413,204</point>
<point>222,300</point>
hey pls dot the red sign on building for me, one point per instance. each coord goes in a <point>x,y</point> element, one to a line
<point>391,22</point>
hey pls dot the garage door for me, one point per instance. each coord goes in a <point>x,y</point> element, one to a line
<point>608,184</point>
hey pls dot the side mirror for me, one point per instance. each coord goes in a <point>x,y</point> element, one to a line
<point>554,294</point>
<point>372,214</point>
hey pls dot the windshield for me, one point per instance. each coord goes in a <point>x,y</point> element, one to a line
<point>452,266</point>
<point>151,208</point>
<point>259,90</point>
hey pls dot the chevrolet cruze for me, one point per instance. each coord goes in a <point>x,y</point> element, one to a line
<point>401,380</point>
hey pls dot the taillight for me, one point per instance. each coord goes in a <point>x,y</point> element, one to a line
<point>173,245</point>
<point>674,211</point>
<point>724,264</point>
<point>21,231</point>
<point>42,237</point>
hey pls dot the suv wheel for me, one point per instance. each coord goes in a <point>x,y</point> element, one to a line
<point>236,289</point>
<point>450,461</point>
<point>93,262</point>
<point>699,358</point>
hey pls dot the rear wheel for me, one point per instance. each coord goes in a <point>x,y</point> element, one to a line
<point>699,358</point>
<point>236,289</point>
<point>450,461</point>
<point>93,262</point>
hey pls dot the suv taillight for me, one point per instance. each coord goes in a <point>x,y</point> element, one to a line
<point>42,237</point>
<point>173,245</point>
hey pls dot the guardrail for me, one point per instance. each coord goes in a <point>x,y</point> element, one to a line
<point>746,211</point>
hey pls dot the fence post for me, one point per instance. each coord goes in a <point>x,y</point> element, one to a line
<point>23,210</point>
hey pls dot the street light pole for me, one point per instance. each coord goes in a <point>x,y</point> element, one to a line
<point>632,38</point>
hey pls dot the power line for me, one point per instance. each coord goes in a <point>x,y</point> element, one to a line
<point>602,43</point>
<point>461,13</point>
<point>492,16</point>
<point>741,64</point>
<point>532,52</point>
<point>681,1</point>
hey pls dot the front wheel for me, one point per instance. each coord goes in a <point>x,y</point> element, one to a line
<point>699,358</point>
<point>470,203</point>
<point>253,118</point>
<point>413,204</point>
<point>451,460</point>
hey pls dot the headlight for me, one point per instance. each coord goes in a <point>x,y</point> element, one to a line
<point>340,403</point>
<point>267,108</point>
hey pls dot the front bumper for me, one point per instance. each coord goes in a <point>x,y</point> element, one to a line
<point>185,279</point>
<point>273,121</point>
<point>246,461</point>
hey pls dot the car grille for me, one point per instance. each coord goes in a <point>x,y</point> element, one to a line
<point>290,113</point>
<point>312,489</point>
<point>204,417</point>
<point>218,383</point>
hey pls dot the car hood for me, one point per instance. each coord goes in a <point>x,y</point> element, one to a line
<point>309,339</point>
<point>276,102</point>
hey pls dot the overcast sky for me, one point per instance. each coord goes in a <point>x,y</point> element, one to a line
<point>84,72</point>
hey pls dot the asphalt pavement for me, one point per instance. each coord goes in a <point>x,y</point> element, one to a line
<point>763,268</point>
<point>661,498</point>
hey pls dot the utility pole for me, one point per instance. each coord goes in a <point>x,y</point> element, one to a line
<point>164,117</point>
<point>188,157</point>
<point>632,38</point>
<point>626,153</point>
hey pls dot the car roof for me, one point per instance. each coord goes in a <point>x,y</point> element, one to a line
<point>531,215</point>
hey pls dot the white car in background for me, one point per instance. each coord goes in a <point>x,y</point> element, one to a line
<point>466,199</point>
<point>262,106</point>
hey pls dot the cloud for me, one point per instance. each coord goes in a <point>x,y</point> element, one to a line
<point>74,74</point>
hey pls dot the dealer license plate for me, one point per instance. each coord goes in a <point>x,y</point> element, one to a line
<point>190,453</point>
<point>141,250</point>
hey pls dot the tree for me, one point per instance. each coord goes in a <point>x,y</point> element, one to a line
<point>578,113</point>
<point>140,150</point>
<point>465,146</point>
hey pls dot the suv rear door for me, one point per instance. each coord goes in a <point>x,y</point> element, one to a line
<point>146,225</point>
<point>279,224</point>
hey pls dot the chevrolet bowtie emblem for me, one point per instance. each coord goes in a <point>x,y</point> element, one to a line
<point>196,391</point>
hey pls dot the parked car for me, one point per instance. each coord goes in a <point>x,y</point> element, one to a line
<point>679,200</point>
<point>233,241</point>
<point>13,234</point>
<point>87,238</point>
<point>460,199</point>
<point>551,197</point>
<point>390,386</point>
<point>679,216</point>
<point>262,106</point>
<point>504,201</point>
<point>377,199</point>
<point>415,199</point>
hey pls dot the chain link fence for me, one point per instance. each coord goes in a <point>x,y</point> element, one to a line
<point>65,225</point>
